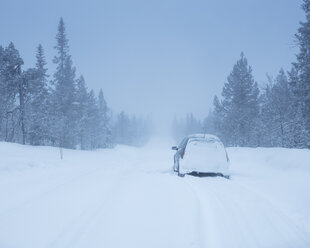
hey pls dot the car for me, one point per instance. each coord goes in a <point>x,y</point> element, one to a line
<point>201,155</point>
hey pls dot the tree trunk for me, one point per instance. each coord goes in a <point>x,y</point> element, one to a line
<point>22,109</point>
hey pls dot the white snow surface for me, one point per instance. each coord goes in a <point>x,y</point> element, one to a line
<point>128,197</point>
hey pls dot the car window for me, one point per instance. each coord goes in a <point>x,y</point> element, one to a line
<point>183,143</point>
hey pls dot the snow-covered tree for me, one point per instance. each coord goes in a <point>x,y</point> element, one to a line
<point>104,122</point>
<point>301,84</point>
<point>208,123</point>
<point>81,112</point>
<point>92,122</point>
<point>130,130</point>
<point>64,114</point>
<point>276,113</point>
<point>121,133</point>
<point>186,126</point>
<point>10,82</point>
<point>39,124</point>
<point>237,113</point>
<point>300,135</point>
<point>63,98</point>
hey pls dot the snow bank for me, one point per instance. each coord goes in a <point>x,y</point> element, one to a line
<point>272,158</point>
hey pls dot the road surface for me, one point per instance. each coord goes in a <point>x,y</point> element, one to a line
<point>128,197</point>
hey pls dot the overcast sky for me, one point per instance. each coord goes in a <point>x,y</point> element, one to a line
<point>158,57</point>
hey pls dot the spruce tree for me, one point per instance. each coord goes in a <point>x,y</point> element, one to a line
<point>238,111</point>
<point>2,92</point>
<point>25,95</point>
<point>299,134</point>
<point>10,82</point>
<point>301,85</point>
<point>104,122</point>
<point>121,130</point>
<point>276,113</point>
<point>39,126</point>
<point>64,92</point>
<point>81,112</point>
<point>93,133</point>
<point>208,123</point>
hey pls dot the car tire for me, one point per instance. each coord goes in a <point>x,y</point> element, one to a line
<point>181,174</point>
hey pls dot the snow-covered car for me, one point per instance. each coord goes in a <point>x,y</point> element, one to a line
<point>201,155</point>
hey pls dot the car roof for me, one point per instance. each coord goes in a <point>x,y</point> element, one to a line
<point>203,136</point>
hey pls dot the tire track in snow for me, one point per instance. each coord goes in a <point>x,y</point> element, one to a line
<point>206,219</point>
<point>58,200</point>
<point>146,213</point>
<point>278,208</point>
<point>74,230</point>
<point>236,216</point>
<point>49,191</point>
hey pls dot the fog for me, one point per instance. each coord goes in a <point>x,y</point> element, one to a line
<point>154,123</point>
<point>157,58</point>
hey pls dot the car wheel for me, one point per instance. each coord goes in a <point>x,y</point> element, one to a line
<point>181,174</point>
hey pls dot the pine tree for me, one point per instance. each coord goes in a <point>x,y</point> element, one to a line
<point>64,92</point>
<point>238,111</point>
<point>208,123</point>
<point>104,122</point>
<point>65,114</point>
<point>276,113</point>
<point>39,126</point>
<point>2,92</point>
<point>121,133</point>
<point>92,121</point>
<point>81,111</point>
<point>26,87</point>
<point>185,126</point>
<point>10,80</point>
<point>219,119</point>
<point>192,125</point>
<point>281,101</point>
<point>301,85</point>
<point>299,134</point>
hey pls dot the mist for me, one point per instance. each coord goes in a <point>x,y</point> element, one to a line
<point>155,123</point>
<point>157,59</point>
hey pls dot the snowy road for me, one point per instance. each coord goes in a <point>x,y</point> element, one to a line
<point>127,197</point>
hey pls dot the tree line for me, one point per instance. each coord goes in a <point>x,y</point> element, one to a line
<point>60,111</point>
<point>184,126</point>
<point>277,115</point>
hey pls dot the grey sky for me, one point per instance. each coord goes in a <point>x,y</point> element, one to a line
<point>158,57</point>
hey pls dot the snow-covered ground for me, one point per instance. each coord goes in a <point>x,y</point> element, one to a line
<point>127,197</point>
